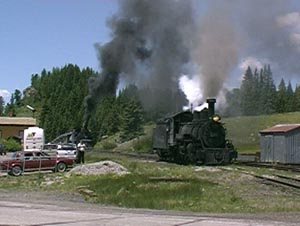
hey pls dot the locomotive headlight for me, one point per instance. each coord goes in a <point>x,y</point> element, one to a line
<point>216,118</point>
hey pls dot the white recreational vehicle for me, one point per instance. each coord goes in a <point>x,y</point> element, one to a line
<point>33,138</point>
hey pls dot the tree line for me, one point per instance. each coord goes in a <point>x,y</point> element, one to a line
<point>58,97</point>
<point>259,95</point>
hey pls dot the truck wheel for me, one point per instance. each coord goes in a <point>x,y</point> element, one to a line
<point>16,171</point>
<point>61,167</point>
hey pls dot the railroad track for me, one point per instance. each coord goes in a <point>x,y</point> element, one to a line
<point>142,156</point>
<point>276,179</point>
<point>292,168</point>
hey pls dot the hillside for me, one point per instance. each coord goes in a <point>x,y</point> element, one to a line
<point>244,131</point>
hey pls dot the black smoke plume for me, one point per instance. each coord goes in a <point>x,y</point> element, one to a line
<point>154,42</point>
<point>148,48</point>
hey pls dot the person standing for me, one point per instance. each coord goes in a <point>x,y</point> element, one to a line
<point>81,149</point>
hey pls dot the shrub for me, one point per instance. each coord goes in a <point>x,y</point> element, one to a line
<point>11,145</point>
<point>105,145</point>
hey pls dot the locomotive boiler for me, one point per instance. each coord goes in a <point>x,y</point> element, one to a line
<point>196,137</point>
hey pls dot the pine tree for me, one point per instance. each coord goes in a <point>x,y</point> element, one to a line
<point>290,99</point>
<point>132,120</point>
<point>131,117</point>
<point>281,101</point>
<point>106,118</point>
<point>17,97</point>
<point>297,98</point>
<point>2,103</point>
<point>62,92</point>
<point>267,91</point>
<point>248,104</point>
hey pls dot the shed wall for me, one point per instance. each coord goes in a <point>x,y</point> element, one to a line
<point>267,150</point>
<point>293,148</point>
<point>280,150</point>
<point>281,147</point>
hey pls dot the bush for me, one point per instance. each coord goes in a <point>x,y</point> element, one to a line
<point>11,145</point>
<point>105,145</point>
<point>143,144</point>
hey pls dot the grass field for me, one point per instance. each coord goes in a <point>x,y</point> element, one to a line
<point>159,185</point>
<point>244,131</point>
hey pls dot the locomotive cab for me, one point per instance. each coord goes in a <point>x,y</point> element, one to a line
<point>166,132</point>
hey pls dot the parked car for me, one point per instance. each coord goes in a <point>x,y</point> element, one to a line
<point>61,150</point>
<point>25,161</point>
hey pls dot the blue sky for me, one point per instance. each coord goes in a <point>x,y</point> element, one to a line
<point>38,34</point>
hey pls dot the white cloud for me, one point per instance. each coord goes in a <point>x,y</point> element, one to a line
<point>252,62</point>
<point>289,20</point>
<point>295,38</point>
<point>5,94</point>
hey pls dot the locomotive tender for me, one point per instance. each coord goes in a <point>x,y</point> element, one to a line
<point>193,138</point>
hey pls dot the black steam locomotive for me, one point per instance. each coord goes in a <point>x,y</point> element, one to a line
<point>193,138</point>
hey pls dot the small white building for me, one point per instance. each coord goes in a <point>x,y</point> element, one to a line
<point>280,143</point>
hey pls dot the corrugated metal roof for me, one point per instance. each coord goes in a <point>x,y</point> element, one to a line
<point>27,121</point>
<point>281,128</point>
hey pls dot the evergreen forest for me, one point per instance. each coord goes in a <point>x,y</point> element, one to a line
<point>60,99</point>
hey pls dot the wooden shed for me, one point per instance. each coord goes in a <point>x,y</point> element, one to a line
<point>281,143</point>
<point>15,126</point>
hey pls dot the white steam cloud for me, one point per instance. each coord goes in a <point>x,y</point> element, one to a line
<point>191,89</point>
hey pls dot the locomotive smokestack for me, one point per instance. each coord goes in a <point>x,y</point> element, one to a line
<point>211,106</point>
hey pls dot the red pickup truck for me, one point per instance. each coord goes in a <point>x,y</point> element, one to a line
<point>25,161</point>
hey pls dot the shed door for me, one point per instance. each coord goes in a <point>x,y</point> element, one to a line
<point>268,149</point>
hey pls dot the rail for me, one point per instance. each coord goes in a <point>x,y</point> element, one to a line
<point>276,179</point>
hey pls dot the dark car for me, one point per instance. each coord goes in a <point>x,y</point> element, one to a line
<point>25,161</point>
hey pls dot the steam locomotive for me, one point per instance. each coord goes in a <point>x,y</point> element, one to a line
<point>196,137</point>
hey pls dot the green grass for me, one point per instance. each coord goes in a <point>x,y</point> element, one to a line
<point>244,131</point>
<point>158,185</point>
<point>151,185</point>
<point>139,191</point>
